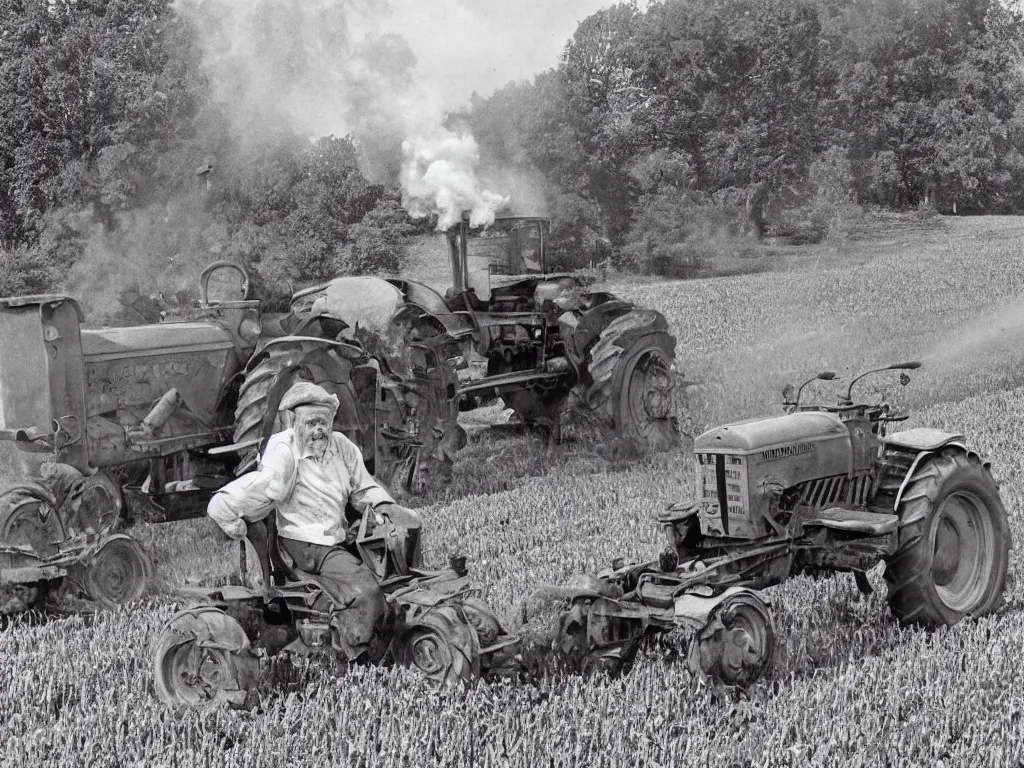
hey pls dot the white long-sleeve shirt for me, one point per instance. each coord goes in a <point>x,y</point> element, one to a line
<point>310,494</point>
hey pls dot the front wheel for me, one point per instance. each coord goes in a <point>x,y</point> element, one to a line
<point>954,544</point>
<point>736,646</point>
<point>118,573</point>
<point>441,646</point>
<point>202,658</point>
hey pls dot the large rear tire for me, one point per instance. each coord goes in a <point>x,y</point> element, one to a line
<point>278,367</point>
<point>416,349</point>
<point>630,372</point>
<point>954,542</point>
<point>416,468</point>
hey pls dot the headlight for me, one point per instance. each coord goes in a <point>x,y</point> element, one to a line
<point>250,329</point>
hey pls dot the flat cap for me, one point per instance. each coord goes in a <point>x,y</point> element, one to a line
<point>307,393</point>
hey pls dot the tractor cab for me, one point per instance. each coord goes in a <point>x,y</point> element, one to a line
<point>509,251</point>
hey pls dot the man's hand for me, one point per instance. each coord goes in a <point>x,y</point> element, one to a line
<point>380,510</point>
<point>399,515</point>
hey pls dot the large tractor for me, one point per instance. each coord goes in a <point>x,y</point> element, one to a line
<point>538,339</point>
<point>819,490</point>
<point>147,422</point>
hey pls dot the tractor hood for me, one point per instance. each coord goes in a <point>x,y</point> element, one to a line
<point>791,434</point>
<point>740,466</point>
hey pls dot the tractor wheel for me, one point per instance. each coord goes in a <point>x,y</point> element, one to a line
<point>96,505</point>
<point>118,573</point>
<point>415,350</point>
<point>954,543</point>
<point>29,517</point>
<point>572,643</point>
<point>279,367</point>
<point>629,368</point>
<point>427,464</point>
<point>735,647</point>
<point>203,658</point>
<point>441,646</point>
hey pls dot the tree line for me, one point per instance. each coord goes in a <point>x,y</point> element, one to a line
<point>661,127</point>
<point>115,156</point>
<point>661,135</point>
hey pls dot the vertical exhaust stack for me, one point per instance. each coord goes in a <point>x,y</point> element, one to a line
<point>457,252</point>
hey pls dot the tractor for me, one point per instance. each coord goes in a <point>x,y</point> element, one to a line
<point>538,339</point>
<point>146,422</point>
<point>818,490</point>
<point>217,649</point>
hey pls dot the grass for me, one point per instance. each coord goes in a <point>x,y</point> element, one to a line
<point>848,686</point>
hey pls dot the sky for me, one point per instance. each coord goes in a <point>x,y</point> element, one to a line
<point>463,46</point>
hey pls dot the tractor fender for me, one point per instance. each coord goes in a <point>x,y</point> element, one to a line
<point>343,348</point>
<point>90,553</point>
<point>581,329</point>
<point>921,456</point>
<point>696,609</point>
<point>34,490</point>
<point>210,627</point>
<point>679,511</point>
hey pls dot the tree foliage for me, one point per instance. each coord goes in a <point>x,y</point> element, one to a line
<point>746,105</point>
<point>113,150</point>
<point>659,131</point>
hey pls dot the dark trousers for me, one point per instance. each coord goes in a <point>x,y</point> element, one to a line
<point>349,583</point>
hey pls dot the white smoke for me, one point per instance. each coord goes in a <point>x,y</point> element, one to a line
<point>439,176</point>
<point>337,67</point>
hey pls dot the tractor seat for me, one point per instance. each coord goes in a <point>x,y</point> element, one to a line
<point>262,535</point>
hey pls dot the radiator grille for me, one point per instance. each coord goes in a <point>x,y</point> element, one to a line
<point>829,491</point>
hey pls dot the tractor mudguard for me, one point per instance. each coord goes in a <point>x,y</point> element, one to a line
<point>210,627</point>
<point>345,349</point>
<point>679,511</point>
<point>921,456</point>
<point>695,610</point>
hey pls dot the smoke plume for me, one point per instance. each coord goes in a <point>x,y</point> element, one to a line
<point>335,67</point>
<point>439,176</point>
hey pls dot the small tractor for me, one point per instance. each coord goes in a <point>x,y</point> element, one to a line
<point>537,339</point>
<point>217,650</point>
<point>818,490</point>
<point>146,422</point>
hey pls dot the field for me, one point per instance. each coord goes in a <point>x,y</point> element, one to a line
<point>848,687</point>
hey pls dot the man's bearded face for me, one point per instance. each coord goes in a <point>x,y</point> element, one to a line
<point>313,426</point>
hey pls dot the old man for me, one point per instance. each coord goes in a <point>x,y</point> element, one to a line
<point>310,474</point>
